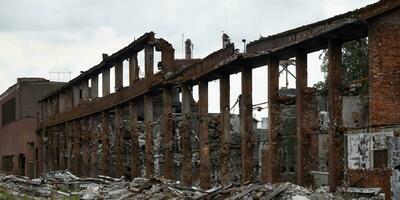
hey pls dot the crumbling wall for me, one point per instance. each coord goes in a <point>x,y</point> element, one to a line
<point>355,111</point>
<point>394,163</point>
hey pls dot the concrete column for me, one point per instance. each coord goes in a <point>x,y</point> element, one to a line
<point>106,82</point>
<point>94,92</point>
<point>105,143</point>
<point>50,149</point>
<point>85,134</point>
<point>186,137</point>
<point>149,60</point>
<point>272,159</point>
<point>119,75</point>
<point>304,161</point>
<point>335,87</point>
<point>246,125</point>
<point>93,145</point>
<point>61,102</point>
<point>76,95</point>
<point>133,69</point>
<point>168,134</point>
<point>69,146</point>
<point>62,146</point>
<point>68,99</point>
<point>76,148</point>
<point>119,130</point>
<point>85,90</point>
<point>224,88</point>
<point>148,121</point>
<point>203,135</point>
<point>135,151</point>
<point>40,147</point>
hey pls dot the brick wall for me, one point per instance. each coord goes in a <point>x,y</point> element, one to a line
<point>384,69</point>
<point>363,178</point>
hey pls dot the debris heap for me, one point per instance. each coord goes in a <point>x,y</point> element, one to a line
<point>64,185</point>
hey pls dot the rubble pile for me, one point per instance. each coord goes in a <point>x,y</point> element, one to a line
<point>65,185</point>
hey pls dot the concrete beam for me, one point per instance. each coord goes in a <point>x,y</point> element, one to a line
<point>203,135</point>
<point>167,129</point>
<point>133,68</point>
<point>148,121</point>
<point>246,125</point>
<point>119,130</point>
<point>224,88</point>
<point>336,129</point>
<point>106,82</point>
<point>272,159</point>
<point>119,75</point>
<point>186,136</point>
<point>105,141</point>
<point>134,133</point>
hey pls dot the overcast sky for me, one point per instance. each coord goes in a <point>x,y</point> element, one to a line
<point>39,36</point>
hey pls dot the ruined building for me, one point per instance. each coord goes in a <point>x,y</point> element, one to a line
<point>18,124</point>
<point>145,129</point>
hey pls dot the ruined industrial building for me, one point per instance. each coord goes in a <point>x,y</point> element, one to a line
<point>154,128</point>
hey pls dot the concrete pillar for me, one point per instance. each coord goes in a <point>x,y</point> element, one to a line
<point>40,147</point>
<point>94,92</point>
<point>62,146</point>
<point>246,125</point>
<point>135,151</point>
<point>68,99</point>
<point>188,49</point>
<point>304,161</point>
<point>85,90</point>
<point>203,135</point>
<point>148,121</point>
<point>93,145</point>
<point>335,87</point>
<point>105,141</point>
<point>119,130</point>
<point>50,146</point>
<point>133,69</point>
<point>272,159</point>
<point>61,102</point>
<point>76,95</point>
<point>167,128</point>
<point>76,147</point>
<point>148,60</point>
<point>106,82</point>
<point>69,146</point>
<point>85,134</point>
<point>224,88</point>
<point>119,75</point>
<point>186,136</point>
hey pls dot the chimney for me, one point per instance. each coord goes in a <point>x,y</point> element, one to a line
<point>105,56</point>
<point>188,49</point>
<point>225,40</point>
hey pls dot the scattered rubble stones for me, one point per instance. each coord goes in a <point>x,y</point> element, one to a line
<point>64,185</point>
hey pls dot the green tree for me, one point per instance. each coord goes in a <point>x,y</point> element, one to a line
<point>355,67</point>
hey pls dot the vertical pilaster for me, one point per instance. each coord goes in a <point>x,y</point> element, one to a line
<point>303,138</point>
<point>133,69</point>
<point>93,145</point>
<point>119,141</point>
<point>94,92</point>
<point>135,151</point>
<point>272,159</point>
<point>203,133</point>
<point>119,74</point>
<point>85,134</point>
<point>335,132</point>
<point>224,88</point>
<point>85,90</point>
<point>105,141</point>
<point>148,120</point>
<point>76,147</point>
<point>106,82</point>
<point>168,134</point>
<point>186,136</point>
<point>246,125</point>
<point>148,60</point>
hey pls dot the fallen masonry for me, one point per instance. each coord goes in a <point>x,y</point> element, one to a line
<point>64,185</point>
